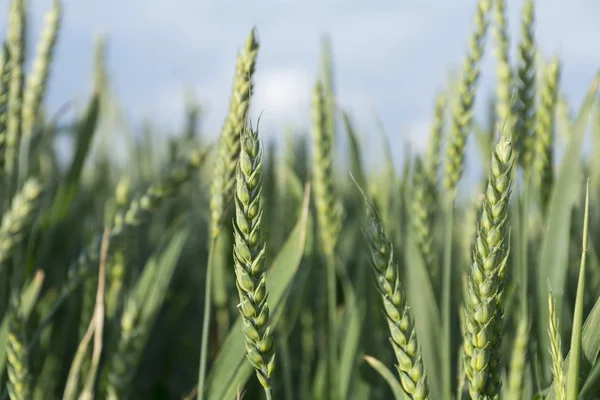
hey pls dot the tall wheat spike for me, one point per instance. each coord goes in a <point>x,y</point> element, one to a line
<point>483,311</point>
<point>16,41</point>
<point>403,335</point>
<point>526,82</point>
<point>4,85</point>
<point>544,138</point>
<point>249,258</point>
<point>462,111</point>
<point>19,379</point>
<point>21,214</point>
<point>37,80</point>
<point>229,142</point>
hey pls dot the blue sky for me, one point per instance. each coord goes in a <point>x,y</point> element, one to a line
<point>392,55</point>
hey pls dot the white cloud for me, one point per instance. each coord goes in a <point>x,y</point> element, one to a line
<point>282,95</point>
<point>417,134</point>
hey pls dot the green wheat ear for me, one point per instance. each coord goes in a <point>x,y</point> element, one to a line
<point>403,335</point>
<point>19,378</point>
<point>229,142</point>
<point>20,216</point>
<point>483,310</point>
<point>524,138</point>
<point>4,84</point>
<point>544,136</point>
<point>249,258</point>
<point>38,78</point>
<point>462,112</point>
<point>504,112</point>
<point>328,207</point>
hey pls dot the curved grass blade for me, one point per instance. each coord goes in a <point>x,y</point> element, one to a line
<point>574,366</point>
<point>69,187</point>
<point>355,160</point>
<point>388,375</point>
<point>427,316</point>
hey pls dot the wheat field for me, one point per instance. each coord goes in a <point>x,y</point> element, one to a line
<point>237,268</point>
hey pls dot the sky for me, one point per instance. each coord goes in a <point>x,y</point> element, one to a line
<point>391,56</point>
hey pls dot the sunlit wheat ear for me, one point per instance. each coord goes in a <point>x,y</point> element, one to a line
<point>223,183</point>
<point>403,335</point>
<point>483,310</point>
<point>249,258</point>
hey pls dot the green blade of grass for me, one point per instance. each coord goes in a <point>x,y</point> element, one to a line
<point>574,365</point>
<point>427,316</point>
<point>355,160</point>
<point>230,367</point>
<point>69,186</point>
<point>389,377</point>
<point>592,384</point>
<point>590,348</point>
